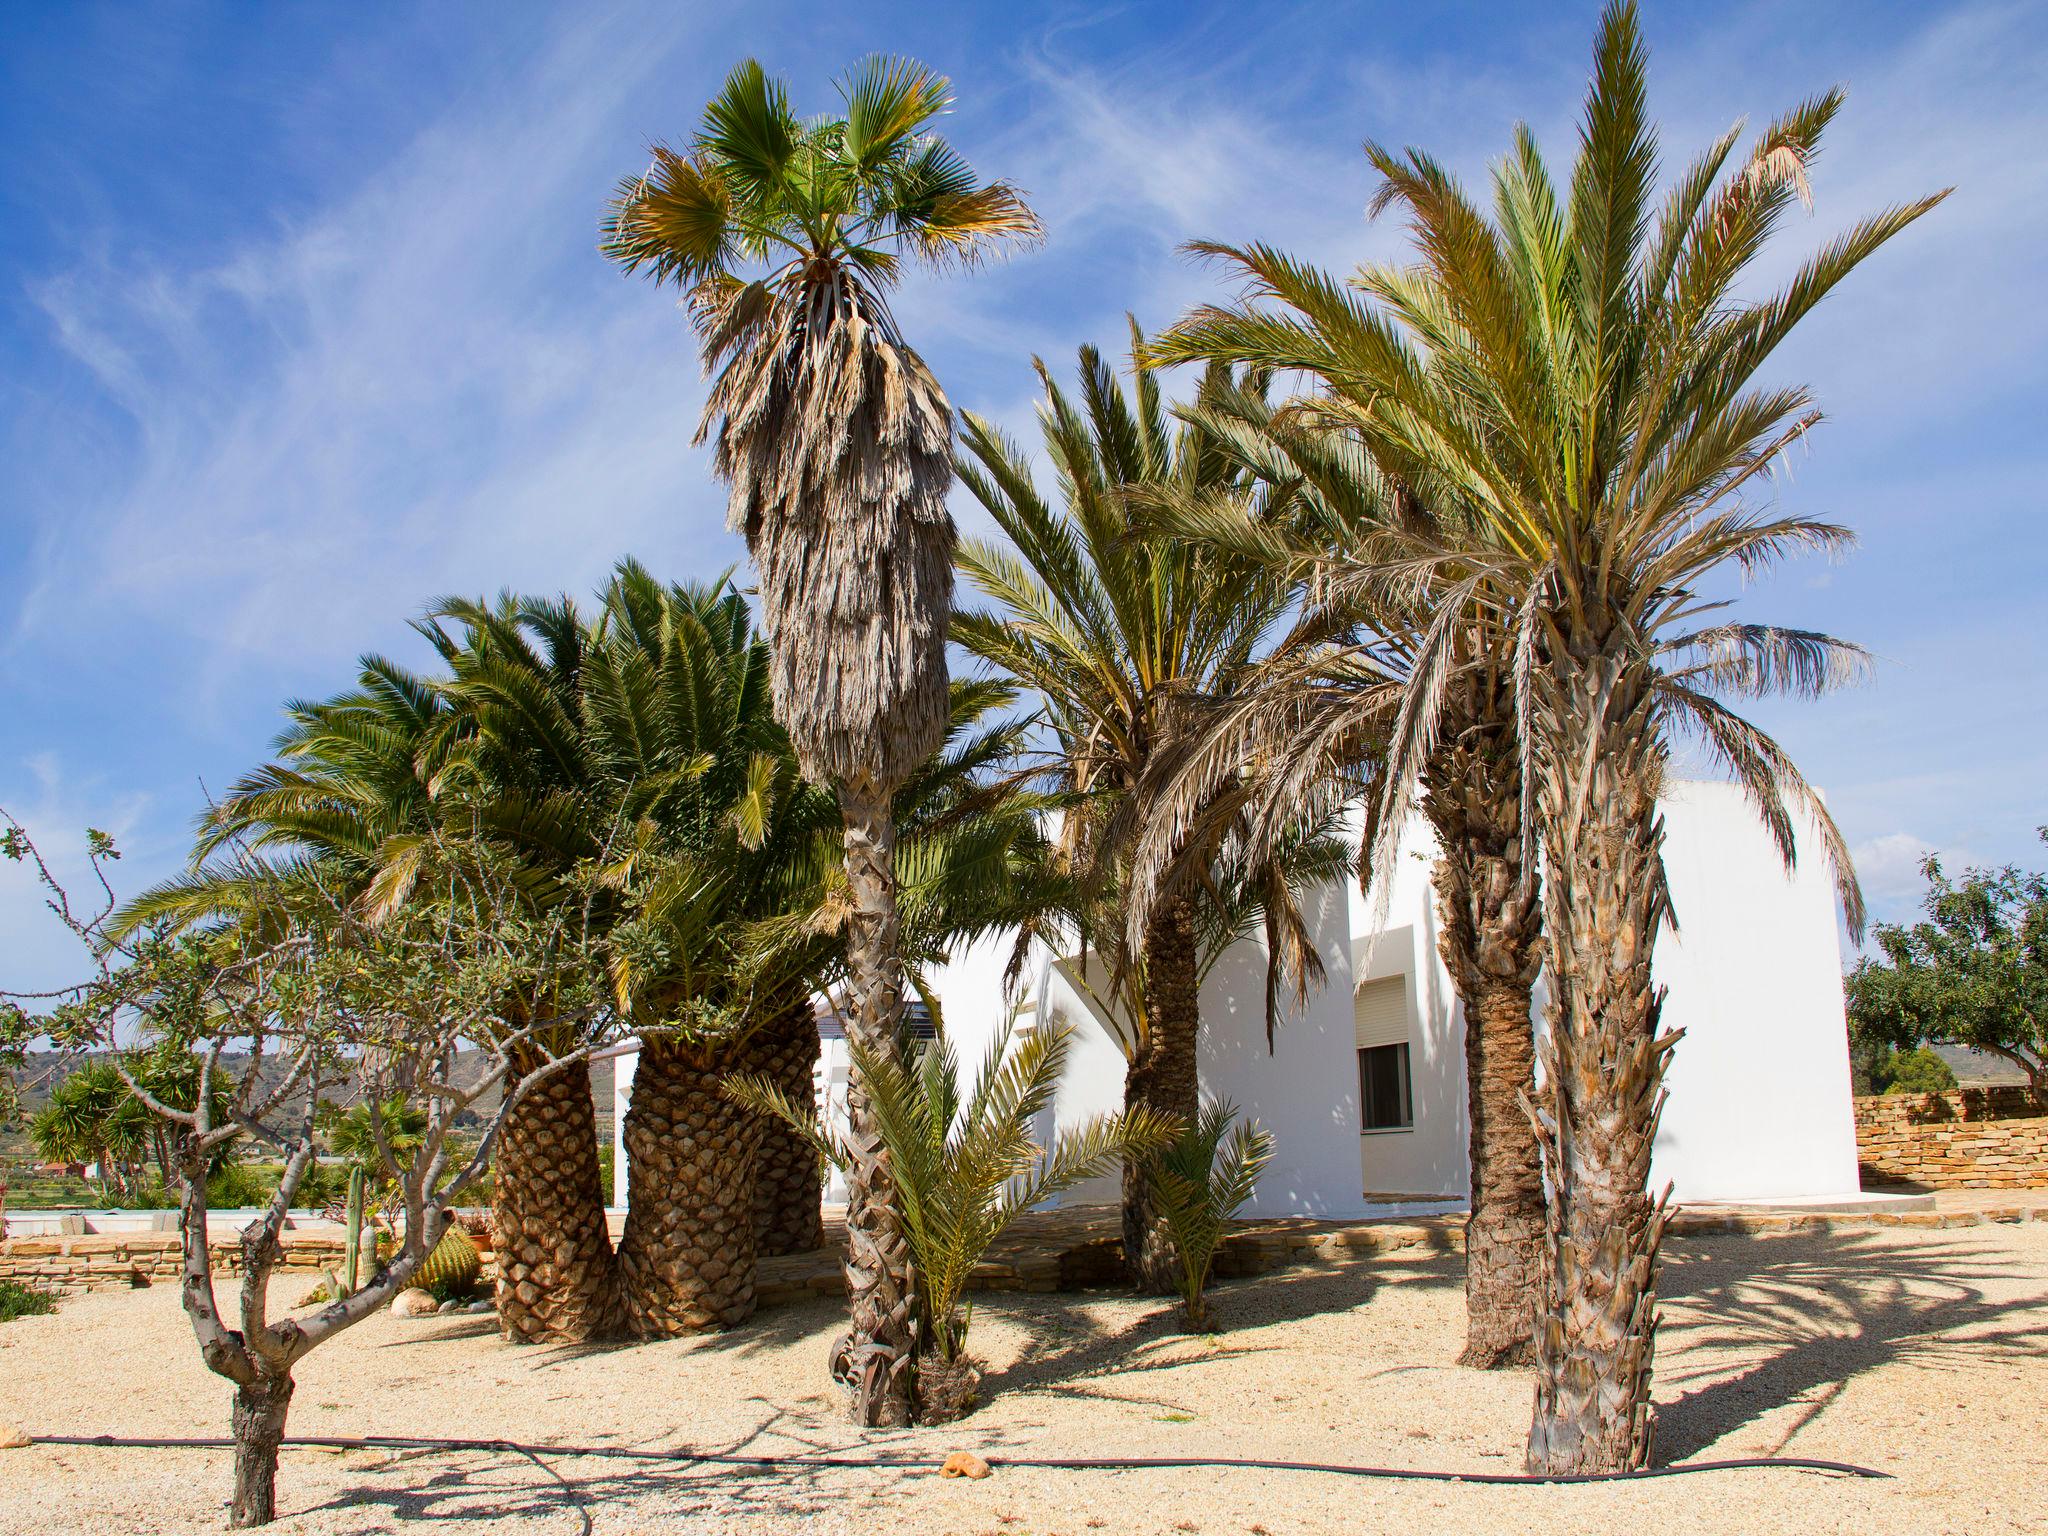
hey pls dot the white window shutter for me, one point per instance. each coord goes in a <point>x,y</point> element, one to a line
<point>1382,1012</point>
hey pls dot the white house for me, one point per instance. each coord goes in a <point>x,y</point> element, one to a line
<point>1364,1088</point>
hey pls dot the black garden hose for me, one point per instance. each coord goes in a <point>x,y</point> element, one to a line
<point>902,1463</point>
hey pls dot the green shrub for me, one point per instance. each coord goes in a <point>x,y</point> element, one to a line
<point>963,1158</point>
<point>18,1300</point>
<point>1918,1071</point>
<point>234,1185</point>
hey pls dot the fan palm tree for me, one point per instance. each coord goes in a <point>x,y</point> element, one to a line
<point>1325,704</point>
<point>91,1117</point>
<point>834,439</point>
<point>1131,638</point>
<point>1577,379</point>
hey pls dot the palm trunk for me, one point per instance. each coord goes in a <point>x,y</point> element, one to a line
<point>788,1182</point>
<point>1162,1077</point>
<point>877,1358</point>
<point>557,1281</point>
<point>259,1415</point>
<point>1603,1067</point>
<point>1491,939</point>
<point>686,1260</point>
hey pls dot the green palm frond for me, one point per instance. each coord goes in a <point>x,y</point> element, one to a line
<point>963,1159</point>
<point>1201,1179</point>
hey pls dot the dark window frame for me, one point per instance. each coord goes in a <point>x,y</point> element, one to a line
<point>1385,1087</point>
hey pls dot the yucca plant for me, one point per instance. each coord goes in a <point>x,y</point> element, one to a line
<point>966,1164</point>
<point>1200,1181</point>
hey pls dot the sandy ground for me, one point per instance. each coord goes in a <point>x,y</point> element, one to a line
<point>1924,1353</point>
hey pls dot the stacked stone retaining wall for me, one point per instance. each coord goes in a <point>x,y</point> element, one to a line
<point>1967,1138</point>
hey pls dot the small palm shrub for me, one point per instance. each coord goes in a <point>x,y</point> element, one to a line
<point>18,1300</point>
<point>966,1164</point>
<point>1201,1180</point>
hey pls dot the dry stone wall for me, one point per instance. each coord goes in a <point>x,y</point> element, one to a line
<point>100,1261</point>
<point>1968,1138</point>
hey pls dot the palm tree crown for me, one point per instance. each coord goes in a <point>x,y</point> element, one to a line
<point>785,233</point>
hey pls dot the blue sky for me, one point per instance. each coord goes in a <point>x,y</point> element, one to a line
<point>302,324</point>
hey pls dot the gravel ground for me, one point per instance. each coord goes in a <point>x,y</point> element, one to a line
<point>1924,1353</point>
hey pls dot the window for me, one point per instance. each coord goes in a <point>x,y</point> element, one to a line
<point>1384,1100</point>
<point>1383,1088</point>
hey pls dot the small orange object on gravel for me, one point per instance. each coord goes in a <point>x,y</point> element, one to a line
<point>964,1464</point>
<point>13,1437</point>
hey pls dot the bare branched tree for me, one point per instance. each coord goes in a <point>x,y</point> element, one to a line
<point>299,1006</point>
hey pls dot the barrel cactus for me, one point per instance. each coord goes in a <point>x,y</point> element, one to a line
<point>453,1268</point>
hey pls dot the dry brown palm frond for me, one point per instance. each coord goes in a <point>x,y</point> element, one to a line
<point>835,440</point>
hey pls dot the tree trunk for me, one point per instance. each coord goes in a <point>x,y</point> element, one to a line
<point>557,1281</point>
<point>1504,1232</point>
<point>1162,1077</point>
<point>259,1415</point>
<point>877,1359</point>
<point>788,1182</point>
<point>1603,1065</point>
<point>686,1260</point>
<point>1491,937</point>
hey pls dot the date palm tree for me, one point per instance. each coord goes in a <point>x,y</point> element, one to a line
<point>1578,378</point>
<point>1326,705</point>
<point>834,438</point>
<point>1131,638</point>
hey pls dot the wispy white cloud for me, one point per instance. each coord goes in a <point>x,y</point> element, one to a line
<point>426,381</point>
<point>430,383</point>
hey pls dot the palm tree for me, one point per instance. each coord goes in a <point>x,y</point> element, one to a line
<point>1131,638</point>
<point>835,439</point>
<point>1577,378</point>
<point>720,836</point>
<point>365,786</point>
<point>1326,704</point>
<point>92,1117</point>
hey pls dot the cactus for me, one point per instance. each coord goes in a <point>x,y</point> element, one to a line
<point>351,1263</point>
<point>452,1269</point>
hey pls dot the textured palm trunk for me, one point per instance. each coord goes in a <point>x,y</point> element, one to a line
<point>1603,1066</point>
<point>1490,937</point>
<point>788,1182</point>
<point>1162,1077</point>
<point>877,1359</point>
<point>686,1259</point>
<point>258,1425</point>
<point>557,1280</point>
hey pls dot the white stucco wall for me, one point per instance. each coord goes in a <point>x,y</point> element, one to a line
<point>1759,1105</point>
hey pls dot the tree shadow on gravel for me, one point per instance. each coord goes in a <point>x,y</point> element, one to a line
<point>1073,1349</point>
<point>565,1492</point>
<point>1767,1323</point>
